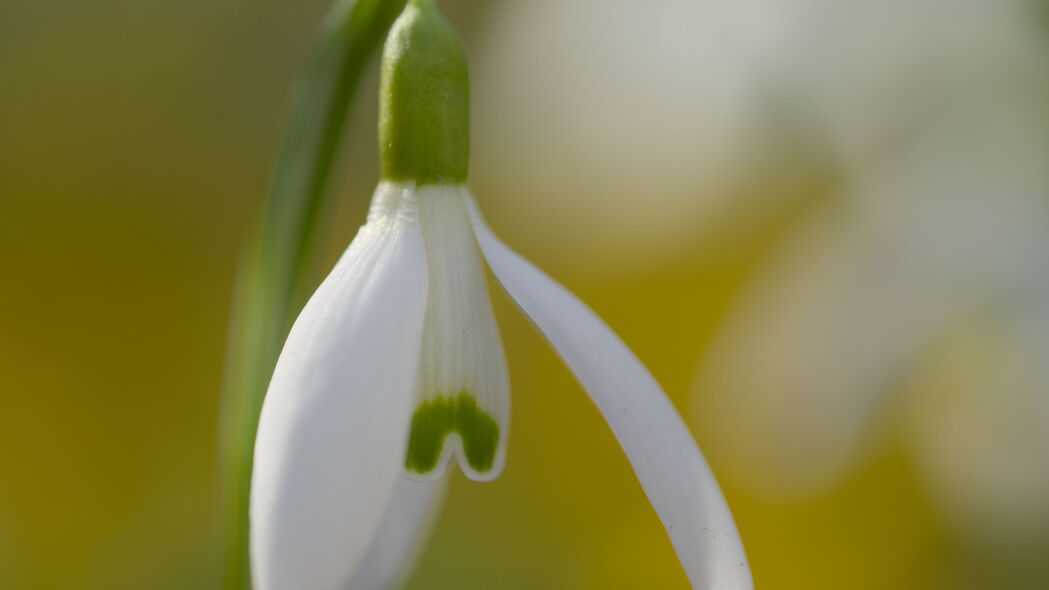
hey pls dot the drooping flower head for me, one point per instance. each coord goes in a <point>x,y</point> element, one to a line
<point>395,366</point>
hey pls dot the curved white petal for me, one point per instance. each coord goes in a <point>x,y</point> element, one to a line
<point>670,467</point>
<point>402,535</point>
<point>332,433</point>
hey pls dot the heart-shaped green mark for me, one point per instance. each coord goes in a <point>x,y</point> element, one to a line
<point>438,417</point>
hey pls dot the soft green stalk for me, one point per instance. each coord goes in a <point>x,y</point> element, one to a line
<point>275,271</point>
<point>424,100</point>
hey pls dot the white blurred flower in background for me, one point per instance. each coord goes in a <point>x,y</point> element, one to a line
<point>628,119</point>
<point>927,276</point>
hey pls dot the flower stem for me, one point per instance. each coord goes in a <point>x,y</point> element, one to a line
<point>424,100</point>
<point>274,271</point>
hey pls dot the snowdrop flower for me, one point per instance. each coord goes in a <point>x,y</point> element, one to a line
<point>395,367</point>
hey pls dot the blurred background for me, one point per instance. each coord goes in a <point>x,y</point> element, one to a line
<point>822,224</point>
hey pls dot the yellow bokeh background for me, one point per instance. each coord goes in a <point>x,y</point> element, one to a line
<point>136,143</point>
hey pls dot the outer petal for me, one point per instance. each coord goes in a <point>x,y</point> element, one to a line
<point>670,467</point>
<point>333,428</point>
<point>402,535</point>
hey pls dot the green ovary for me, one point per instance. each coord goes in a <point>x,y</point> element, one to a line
<point>436,418</point>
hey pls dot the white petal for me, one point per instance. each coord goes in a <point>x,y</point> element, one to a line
<point>403,534</point>
<point>331,436</point>
<point>463,393</point>
<point>670,467</point>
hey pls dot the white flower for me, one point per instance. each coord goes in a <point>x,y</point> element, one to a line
<point>395,367</point>
<point>403,326</point>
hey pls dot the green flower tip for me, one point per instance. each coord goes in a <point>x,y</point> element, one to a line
<point>437,418</point>
<point>424,100</point>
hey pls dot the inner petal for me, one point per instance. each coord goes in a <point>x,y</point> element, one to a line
<point>462,397</point>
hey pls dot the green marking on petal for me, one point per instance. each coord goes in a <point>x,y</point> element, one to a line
<point>436,418</point>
